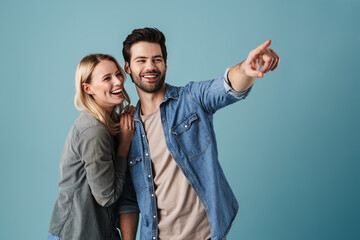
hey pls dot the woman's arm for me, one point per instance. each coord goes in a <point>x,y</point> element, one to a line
<point>105,175</point>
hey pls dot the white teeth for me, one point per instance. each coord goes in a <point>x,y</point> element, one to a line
<point>117,91</point>
<point>149,76</point>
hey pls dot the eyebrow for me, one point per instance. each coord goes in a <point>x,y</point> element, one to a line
<point>105,75</point>
<point>142,57</point>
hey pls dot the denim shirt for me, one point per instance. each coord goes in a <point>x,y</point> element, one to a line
<point>187,122</point>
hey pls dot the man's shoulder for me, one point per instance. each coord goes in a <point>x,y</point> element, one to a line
<point>175,91</point>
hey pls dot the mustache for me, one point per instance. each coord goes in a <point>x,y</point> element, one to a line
<point>152,71</point>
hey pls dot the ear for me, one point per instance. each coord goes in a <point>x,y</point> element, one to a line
<point>127,68</point>
<point>87,88</point>
<point>165,65</point>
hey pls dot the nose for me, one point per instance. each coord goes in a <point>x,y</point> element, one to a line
<point>118,80</point>
<point>149,66</point>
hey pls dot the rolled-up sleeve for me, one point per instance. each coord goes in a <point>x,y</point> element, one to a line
<point>229,90</point>
<point>127,202</point>
<point>215,94</point>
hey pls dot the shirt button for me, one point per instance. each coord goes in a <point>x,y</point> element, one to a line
<point>152,194</point>
<point>174,155</point>
<point>163,119</point>
<point>154,216</point>
<point>197,189</point>
<point>143,135</point>
<point>130,162</point>
<point>186,172</point>
<point>146,154</point>
<point>154,237</point>
<point>186,126</point>
<point>149,176</point>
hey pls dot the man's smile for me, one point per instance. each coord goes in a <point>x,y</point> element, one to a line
<point>150,76</point>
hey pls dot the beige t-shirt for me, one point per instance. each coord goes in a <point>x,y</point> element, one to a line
<point>181,214</point>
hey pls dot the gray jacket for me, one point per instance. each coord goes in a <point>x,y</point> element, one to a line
<point>92,178</point>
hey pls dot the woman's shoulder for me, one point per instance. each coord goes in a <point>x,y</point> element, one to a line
<point>87,122</point>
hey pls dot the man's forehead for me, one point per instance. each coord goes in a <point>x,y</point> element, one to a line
<point>145,49</point>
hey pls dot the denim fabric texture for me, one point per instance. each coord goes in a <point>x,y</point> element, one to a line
<point>114,236</point>
<point>187,122</point>
<point>53,237</point>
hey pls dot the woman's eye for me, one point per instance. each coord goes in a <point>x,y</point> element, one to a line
<point>107,78</point>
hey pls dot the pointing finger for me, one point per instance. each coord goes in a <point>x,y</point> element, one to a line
<point>262,47</point>
<point>254,54</point>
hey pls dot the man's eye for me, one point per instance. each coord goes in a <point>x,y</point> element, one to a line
<point>158,60</point>
<point>141,61</point>
<point>107,78</point>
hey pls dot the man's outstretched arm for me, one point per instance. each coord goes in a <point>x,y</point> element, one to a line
<point>243,75</point>
<point>128,225</point>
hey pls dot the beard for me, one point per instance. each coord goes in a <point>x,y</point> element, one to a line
<point>146,87</point>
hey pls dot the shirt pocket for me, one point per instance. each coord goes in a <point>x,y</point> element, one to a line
<point>136,168</point>
<point>192,136</point>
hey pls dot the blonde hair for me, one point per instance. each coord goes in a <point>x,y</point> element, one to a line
<point>84,101</point>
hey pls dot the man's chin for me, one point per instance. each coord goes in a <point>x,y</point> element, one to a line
<point>150,88</point>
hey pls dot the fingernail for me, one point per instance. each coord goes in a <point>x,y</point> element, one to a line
<point>259,74</point>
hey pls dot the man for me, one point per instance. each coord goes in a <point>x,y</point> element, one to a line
<point>181,190</point>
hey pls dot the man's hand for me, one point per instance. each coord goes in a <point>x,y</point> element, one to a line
<point>260,60</point>
<point>261,57</point>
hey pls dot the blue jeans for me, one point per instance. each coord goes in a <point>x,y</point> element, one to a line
<point>53,237</point>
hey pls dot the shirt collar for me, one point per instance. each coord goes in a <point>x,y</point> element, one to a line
<point>170,92</point>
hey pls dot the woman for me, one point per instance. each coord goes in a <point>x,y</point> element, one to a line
<point>93,163</point>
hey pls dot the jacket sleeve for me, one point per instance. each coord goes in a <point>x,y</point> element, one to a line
<point>215,94</point>
<point>105,175</point>
<point>127,201</point>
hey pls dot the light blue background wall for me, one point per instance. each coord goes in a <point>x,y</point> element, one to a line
<point>290,150</point>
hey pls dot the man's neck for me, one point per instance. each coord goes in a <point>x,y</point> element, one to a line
<point>150,102</point>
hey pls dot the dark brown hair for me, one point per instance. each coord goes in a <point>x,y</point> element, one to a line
<point>152,35</point>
